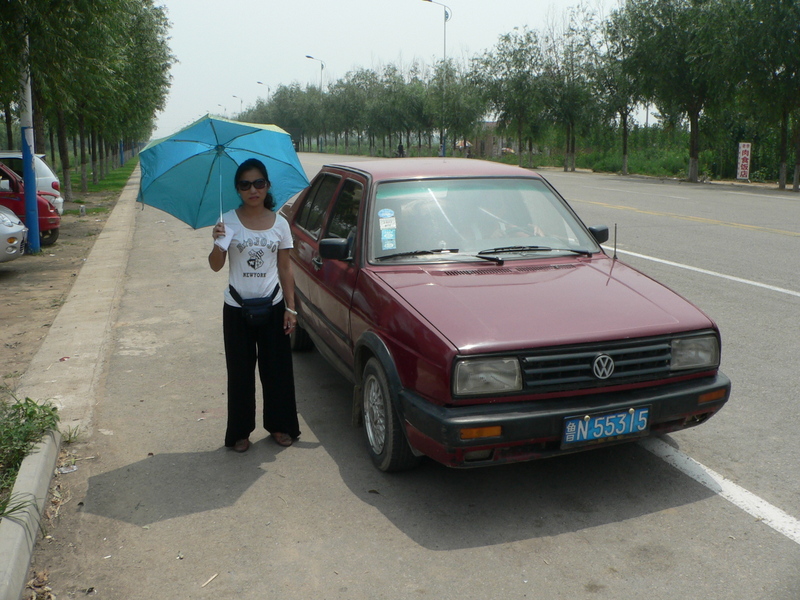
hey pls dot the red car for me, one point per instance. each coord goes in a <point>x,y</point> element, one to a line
<point>12,195</point>
<point>482,323</point>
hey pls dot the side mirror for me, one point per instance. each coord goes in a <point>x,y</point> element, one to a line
<point>5,185</point>
<point>599,233</point>
<point>334,249</point>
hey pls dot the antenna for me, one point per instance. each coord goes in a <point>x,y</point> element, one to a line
<point>615,241</point>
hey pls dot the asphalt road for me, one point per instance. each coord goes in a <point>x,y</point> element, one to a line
<point>160,510</point>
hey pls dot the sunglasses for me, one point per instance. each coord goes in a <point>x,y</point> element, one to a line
<point>244,185</point>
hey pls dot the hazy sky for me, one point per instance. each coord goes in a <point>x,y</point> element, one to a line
<point>225,48</point>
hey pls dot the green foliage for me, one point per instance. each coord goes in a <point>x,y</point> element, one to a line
<point>116,179</point>
<point>23,423</point>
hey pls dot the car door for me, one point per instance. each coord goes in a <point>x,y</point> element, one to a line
<point>307,231</point>
<point>336,279</point>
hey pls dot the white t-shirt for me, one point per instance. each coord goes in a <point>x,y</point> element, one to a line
<point>253,257</point>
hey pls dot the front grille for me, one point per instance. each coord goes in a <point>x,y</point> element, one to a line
<point>571,367</point>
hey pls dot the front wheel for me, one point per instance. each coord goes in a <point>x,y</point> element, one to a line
<point>386,441</point>
<point>49,237</point>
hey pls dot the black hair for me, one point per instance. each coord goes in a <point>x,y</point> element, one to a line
<point>254,163</point>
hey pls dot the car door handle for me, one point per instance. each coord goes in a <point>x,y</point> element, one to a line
<point>317,262</point>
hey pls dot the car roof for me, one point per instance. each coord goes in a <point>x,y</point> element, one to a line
<point>425,168</point>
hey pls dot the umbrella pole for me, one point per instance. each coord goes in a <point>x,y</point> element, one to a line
<point>219,170</point>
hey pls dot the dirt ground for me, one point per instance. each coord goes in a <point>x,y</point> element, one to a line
<point>33,287</point>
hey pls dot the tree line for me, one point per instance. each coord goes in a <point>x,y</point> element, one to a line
<point>99,73</point>
<point>715,72</point>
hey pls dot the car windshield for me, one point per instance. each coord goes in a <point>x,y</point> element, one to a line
<point>476,216</point>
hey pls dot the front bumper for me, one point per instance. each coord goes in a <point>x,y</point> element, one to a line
<point>533,430</point>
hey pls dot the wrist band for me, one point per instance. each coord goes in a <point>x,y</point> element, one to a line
<point>291,310</point>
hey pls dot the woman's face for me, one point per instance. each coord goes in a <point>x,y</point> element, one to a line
<point>252,196</point>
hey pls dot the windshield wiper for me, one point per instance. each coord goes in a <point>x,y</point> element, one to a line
<point>419,253</point>
<point>505,249</point>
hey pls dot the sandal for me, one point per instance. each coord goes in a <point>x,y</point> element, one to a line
<point>241,445</point>
<point>282,439</point>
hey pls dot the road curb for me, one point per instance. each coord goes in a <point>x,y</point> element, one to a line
<point>18,533</point>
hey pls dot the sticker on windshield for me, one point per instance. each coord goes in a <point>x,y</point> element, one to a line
<point>388,239</point>
<point>385,213</point>
<point>388,223</point>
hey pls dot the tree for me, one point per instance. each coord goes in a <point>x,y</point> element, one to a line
<point>671,61</point>
<point>614,89</point>
<point>510,75</point>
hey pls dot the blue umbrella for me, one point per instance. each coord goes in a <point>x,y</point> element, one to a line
<point>190,174</point>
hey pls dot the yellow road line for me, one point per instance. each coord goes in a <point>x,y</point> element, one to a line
<point>694,219</point>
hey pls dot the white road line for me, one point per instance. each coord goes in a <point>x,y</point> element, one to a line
<point>759,508</point>
<point>707,272</point>
<point>591,187</point>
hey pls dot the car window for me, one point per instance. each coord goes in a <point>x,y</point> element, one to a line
<point>319,198</point>
<point>471,215</point>
<point>345,213</point>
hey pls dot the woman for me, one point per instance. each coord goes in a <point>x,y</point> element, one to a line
<point>258,241</point>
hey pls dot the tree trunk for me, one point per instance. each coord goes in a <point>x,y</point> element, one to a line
<point>784,149</point>
<point>82,135</point>
<point>796,182</point>
<point>93,152</point>
<point>694,145</point>
<point>624,122</point>
<point>9,129</point>
<point>52,155</point>
<point>63,151</point>
<point>519,142</point>
<point>38,118</point>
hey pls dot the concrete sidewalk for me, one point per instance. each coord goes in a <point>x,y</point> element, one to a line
<point>66,371</point>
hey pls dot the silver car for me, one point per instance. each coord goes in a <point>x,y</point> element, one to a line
<point>13,235</point>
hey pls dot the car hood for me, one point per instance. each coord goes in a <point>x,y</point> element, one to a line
<point>534,304</point>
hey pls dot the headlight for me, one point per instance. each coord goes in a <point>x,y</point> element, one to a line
<point>482,376</point>
<point>695,353</point>
<point>4,220</point>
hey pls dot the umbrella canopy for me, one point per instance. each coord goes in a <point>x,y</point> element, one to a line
<point>190,174</point>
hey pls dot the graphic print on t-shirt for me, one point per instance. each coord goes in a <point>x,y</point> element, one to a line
<point>256,259</point>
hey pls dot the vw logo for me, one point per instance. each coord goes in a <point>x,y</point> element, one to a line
<point>603,366</point>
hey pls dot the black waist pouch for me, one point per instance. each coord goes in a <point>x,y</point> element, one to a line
<point>255,311</point>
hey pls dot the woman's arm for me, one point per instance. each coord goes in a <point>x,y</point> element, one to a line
<point>286,277</point>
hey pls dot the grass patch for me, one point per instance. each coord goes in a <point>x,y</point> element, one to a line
<point>23,423</point>
<point>89,211</point>
<point>115,181</point>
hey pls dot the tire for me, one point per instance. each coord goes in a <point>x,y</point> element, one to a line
<point>300,340</point>
<point>386,440</point>
<point>49,237</point>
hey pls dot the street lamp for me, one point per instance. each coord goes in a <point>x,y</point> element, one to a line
<point>266,86</point>
<point>240,105</point>
<point>447,14</point>
<point>224,111</point>
<point>321,67</point>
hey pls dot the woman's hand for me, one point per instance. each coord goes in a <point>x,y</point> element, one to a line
<point>218,231</point>
<point>289,322</point>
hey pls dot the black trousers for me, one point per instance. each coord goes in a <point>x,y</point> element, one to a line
<point>269,347</point>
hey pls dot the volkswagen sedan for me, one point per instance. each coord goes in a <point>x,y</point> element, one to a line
<point>480,320</point>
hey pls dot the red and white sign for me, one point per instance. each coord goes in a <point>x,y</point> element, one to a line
<point>743,166</point>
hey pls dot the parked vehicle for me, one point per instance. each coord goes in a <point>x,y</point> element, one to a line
<point>13,235</point>
<point>47,183</point>
<point>12,195</point>
<point>482,323</point>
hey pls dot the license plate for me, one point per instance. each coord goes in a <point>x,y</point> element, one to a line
<point>606,427</point>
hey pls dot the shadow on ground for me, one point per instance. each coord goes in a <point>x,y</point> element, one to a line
<point>171,485</point>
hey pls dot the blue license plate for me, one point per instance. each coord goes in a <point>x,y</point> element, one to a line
<point>606,427</point>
